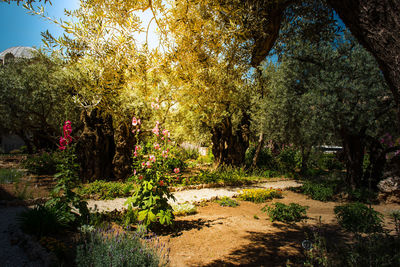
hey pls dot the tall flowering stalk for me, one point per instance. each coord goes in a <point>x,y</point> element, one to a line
<point>151,174</point>
<point>62,196</point>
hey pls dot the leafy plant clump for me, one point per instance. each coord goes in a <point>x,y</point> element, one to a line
<point>152,176</point>
<point>286,213</point>
<point>184,209</point>
<point>322,191</point>
<point>106,248</point>
<point>358,218</point>
<point>260,195</point>
<point>43,163</point>
<point>106,190</point>
<point>227,202</point>
<point>43,220</point>
<point>10,175</point>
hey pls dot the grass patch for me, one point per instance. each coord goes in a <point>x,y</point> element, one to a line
<point>260,195</point>
<point>227,202</point>
<point>106,190</point>
<point>184,209</point>
<point>10,176</point>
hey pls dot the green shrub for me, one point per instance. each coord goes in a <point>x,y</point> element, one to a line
<point>260,195</point>
<point>227,202</point>
<point>286,213</point>
<point>395,215</point>
<point>363,195</point>
<point>329,161</point>
<point>106,190</point>
<point>265,158</point>
<point>322,191</point>
<point>105,248</point>
<point>184,209</point>
<point>372,250</point>
<point>10,175</point>
<point>126,218</point>
<point>358,218</point>
<point>43,220</point>
<point>44,163</point>
<point>288,160</point>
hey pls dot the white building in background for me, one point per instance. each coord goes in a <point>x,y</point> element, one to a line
<point>9,142</point>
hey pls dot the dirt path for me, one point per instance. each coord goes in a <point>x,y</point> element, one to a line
<point>12,255</point>
<point>244,235</point>
<point>194,195</point>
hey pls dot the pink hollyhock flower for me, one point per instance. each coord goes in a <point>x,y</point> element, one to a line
<point>138,147</point>
<point>138,122</point>
<point>164,154</point>
<point>143,164</point>
<point>135,154</point>
<point>156,146</point>
<point>165,132</point>
<point>161,183</point>
<point>176,170</point>
<point>152,158</point>
<point>155,130</point>
<point>148,164</point>
<point>134,172</point>
<point>134,121</point>
<point>63,141</point>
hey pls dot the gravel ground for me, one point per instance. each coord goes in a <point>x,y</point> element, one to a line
<point>193,195</point>
<point>12,255</point>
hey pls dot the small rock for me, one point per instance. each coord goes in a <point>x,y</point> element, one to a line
<point>390,184</point>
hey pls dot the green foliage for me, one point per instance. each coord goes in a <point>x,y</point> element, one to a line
<point>43,163</point>
<point>286,213</point>
<point>362,194</point>
<point>227,202</point>
<point>126,218</point>
<point>260,195</point>
<point>372,250</point>
<point>35,98</point>
<point>43,220</point>
<point>358,218</point>
<point>395,215</point>
<point>328,161</point>
<point>10,176</point>
<point>152,175</point>
<point>321,190</point>
<point>265,159</point>
<point>288,160</point>
<point>105,248</point>
<point>63,198</point>
<point>106,190</point>
<point>184,209</point>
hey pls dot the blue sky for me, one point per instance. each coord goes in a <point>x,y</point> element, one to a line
<point>18,28</point>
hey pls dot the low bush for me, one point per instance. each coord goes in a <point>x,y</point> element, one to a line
<point>286,213</point>
<point>43,220</point>
<point>329,161</point>
<point>10,175</point>
<point>184,209</point>
<point>106,190</point>
<point>322,191</point>
<point>227,202</point>
<point>125,218</point>
<point>104,248</point>
<point>43,163</point>
<point>358,218</point>
<point>260,195</point>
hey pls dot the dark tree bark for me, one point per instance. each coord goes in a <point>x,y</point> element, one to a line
<point>377,162</point>
<point>124,144</point>
<point>95,147</point>
<point>230,148</point>
<point>258,150</point>
<point>353,146</point>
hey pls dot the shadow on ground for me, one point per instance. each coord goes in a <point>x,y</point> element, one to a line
<point>280,247</point>
<point>184,225</point>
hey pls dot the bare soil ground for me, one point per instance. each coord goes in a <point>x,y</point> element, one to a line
<point>227,236</point>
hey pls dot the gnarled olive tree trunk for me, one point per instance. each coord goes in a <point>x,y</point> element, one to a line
<point>229,148</point>
<point>95,147</point>
<point>124,145</point>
